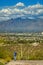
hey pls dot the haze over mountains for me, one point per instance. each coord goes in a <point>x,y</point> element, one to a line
<point>22,25</point>
<point>20,18</point>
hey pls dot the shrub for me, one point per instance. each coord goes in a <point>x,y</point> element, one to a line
<point>1,63</point>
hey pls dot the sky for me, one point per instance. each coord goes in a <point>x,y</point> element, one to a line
<point>31,9</point>
<point>13,2</point>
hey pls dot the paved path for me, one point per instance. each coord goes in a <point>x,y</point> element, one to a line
<point>25,63</point>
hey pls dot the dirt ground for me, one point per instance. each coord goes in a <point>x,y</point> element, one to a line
<point>38,62</point>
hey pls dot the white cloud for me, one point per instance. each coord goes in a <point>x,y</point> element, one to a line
<point>6,11</point>
<point>20,4</point>
<point>38,5</point>
<point>40,11</point>
<point>14,11</point>
<point>34,9</point>
<point>4,18</point>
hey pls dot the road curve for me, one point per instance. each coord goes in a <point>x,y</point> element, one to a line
<point>31,62</point>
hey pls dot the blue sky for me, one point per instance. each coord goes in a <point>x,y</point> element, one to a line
<point>31,9</point>
<point>13,2</point>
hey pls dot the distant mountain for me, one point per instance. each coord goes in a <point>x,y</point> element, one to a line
<point>21,25</point>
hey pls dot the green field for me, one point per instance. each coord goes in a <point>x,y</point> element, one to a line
<point>28,47</point>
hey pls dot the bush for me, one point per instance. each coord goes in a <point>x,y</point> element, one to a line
<point>1,63</point>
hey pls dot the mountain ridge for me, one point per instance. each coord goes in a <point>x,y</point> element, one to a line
<point>21,25</point>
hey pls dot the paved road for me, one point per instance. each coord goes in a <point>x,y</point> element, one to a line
<point>25,63</point>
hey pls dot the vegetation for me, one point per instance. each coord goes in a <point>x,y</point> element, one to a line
<point>1,63</point>
<point>27,47</point>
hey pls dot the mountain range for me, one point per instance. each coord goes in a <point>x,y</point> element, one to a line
<point>21,25</point>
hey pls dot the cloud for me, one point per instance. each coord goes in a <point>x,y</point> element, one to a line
<point>38,5</point>
<point>31,11</point>
<point>4,18</point>
<point>34,9</point>
<point>19,4</point>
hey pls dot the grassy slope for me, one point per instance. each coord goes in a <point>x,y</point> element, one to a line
<point>25,49</point>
